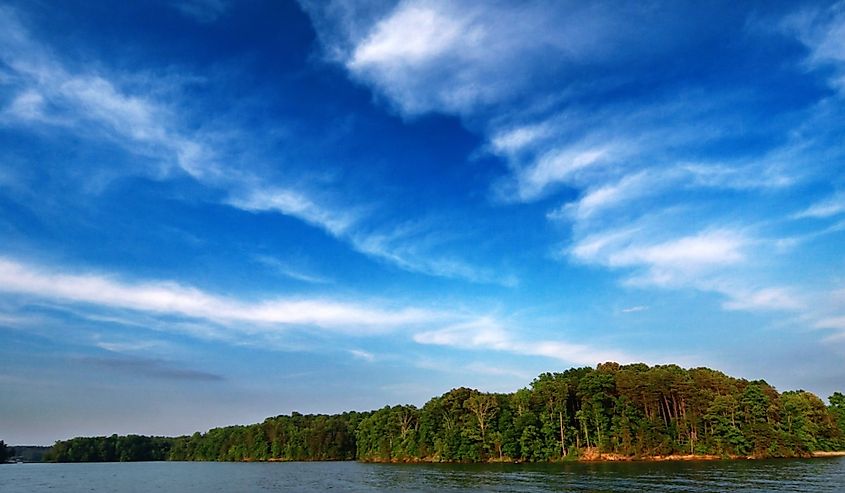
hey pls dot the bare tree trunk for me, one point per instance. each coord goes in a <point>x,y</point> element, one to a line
<point>562,443</point>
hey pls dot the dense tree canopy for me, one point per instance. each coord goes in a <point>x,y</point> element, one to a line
<point>5,452</point>
<point>113,448</point>
<point>625,410</point>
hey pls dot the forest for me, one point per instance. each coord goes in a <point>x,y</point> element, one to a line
<point>619,411</point>
<point>5,452</point>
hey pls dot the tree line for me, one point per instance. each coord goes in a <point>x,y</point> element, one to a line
<point>624,410</point>
<point>5,452</point>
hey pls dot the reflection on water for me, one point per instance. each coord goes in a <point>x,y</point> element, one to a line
<point>808,476</point>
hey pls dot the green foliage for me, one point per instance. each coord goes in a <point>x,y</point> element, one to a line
<point>627,410</point>
<point>5,452</point>
<point>283,438</point>
<point>114,448</point>
<point>837,414</point>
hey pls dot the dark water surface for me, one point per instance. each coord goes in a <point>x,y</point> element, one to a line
<point>806,475</point>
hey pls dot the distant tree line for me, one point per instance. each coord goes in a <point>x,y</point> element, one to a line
<point>30,453</point>
<point>294,437</point>
<point>5,452</point>
<point>130,448</point>
<point>624,410</point>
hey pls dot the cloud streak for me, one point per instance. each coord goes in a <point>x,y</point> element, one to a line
<point>488,334</point>
<point>169,298</point>
<point>829,207</point>
<point>822,29</point>
<point>95,106</point>
<point>639,160</point>
<point>206,315</point>
<point>646,195</point>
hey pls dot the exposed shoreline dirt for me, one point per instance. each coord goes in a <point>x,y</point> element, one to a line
<point>591,456</point>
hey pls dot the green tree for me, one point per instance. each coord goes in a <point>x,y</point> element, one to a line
<point>5,453</point>
<point>837,411</point>
<point>484,408</point>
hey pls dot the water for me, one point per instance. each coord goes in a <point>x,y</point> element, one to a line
<point>805,476</point>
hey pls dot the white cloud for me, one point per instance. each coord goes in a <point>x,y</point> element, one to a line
<point>718,247</point>
<point>414,34</point>
<point>608,197</point>
<point>513,140</point>
<point>436,55</point>
<point>142,346</point>
<point>556,167</point>
<point>831,206</point>
<point>28,105</point>
<point>655,201</point>
<point>207,315</point>
<point>17,321</point>
<point>295,204</point>
<point>488,334</point>
<point>169,298</point>
<point>401,52</point>
<point>50,94</point>
<point>408,247</point>
<point>363,355</point>
<point>773,171</point>
<point>771,298</point>
<point>827,311</point>
<point>287,269</point>
<point>822,30</point>
<point>96,106</point>
<point>667,261</point>
<point>92,104</point>
<point>831,323</point>
<point>635,309</point>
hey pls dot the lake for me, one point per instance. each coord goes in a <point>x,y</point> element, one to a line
<point>800,475</point>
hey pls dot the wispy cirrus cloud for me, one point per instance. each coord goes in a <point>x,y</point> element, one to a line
<point>828,312</point>
<point>50,94</point>
<point>821,28</point>
<point>170,298</point>
<point>769,298</point>
<point>663,262</point>
<point>172,307</point>
<point>825,208</point>
<point>129,346</point>
<point>96,105</point>
<point>635,309</point>
<point>293,203</point>
<point>650,190</point>
<point>289,270</point>
<point>489,334</point>
<point>408,246</point>
<point>363,355</point>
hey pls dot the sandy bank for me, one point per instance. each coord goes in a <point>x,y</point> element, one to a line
<point>840,453</point>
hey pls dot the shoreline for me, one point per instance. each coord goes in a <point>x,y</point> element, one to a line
<point>838,453</point>
<point>590,458</point>
<point>604,458</point>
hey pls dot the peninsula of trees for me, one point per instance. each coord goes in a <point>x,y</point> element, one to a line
<point>621,411</point>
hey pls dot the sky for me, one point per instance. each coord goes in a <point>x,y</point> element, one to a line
<point>212,212</point>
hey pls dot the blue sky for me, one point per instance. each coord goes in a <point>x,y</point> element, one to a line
<point>212,212</point>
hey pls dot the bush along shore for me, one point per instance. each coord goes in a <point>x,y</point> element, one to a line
<point>611,412</point>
